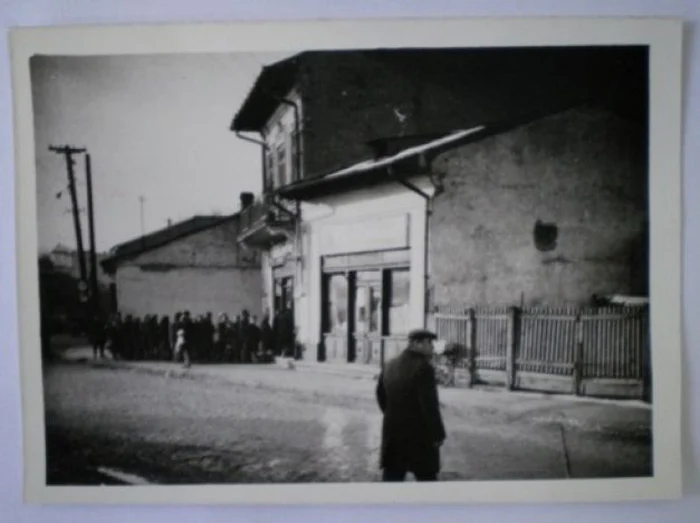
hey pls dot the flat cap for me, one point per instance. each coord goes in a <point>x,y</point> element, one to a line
<point>421,334</point>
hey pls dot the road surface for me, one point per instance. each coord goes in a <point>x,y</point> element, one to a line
<point>272,425</point>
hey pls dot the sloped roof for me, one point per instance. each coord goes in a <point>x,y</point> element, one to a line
<point>273,82</point>
<point>349,175</point>
<point>160,238</point>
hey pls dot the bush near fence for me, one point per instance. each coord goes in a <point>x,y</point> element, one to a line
<point>595,351</point>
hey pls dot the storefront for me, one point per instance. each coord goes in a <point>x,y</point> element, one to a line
<point>365,305</point>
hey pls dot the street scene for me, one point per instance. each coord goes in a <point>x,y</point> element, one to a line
<point>260,424</point>
<point>344,266</point>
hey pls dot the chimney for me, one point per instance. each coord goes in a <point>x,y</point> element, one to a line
<point>170,223</point>
<point>247,199</point>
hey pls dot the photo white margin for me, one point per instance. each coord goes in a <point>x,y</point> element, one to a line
<point>664,37</point>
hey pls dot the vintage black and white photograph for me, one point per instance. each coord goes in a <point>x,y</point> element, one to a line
<point>352,265</point>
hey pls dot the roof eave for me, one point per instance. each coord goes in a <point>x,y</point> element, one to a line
<point>253,113</point>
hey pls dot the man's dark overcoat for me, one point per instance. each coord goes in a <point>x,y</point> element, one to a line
<point>412,428</point>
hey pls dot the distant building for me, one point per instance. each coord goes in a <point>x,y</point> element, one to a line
<point>194,265</point>
<point>66,260</point>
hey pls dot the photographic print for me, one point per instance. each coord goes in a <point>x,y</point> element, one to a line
<point>349,265</point>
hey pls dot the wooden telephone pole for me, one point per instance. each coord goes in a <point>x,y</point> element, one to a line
<point>68,152</point>
<point>94,290</point>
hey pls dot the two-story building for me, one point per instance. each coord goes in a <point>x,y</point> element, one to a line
<point>395,180</point>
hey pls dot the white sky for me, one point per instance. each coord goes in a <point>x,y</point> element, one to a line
<point>156,126</point>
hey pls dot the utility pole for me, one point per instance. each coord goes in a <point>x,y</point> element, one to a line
<point>91,223</point>
<point>68,152</point>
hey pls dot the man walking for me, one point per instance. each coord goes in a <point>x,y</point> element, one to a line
<point>412,428</point>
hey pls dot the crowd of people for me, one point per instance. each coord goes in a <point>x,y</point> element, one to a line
<point>190,339</point>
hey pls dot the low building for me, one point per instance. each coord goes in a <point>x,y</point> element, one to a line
<point>67,260</point>
<point>195,265</point>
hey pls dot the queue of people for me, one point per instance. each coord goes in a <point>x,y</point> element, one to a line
<point>202,339</point>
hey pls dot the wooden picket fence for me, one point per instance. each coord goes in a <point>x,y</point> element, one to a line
<point>598,351</point>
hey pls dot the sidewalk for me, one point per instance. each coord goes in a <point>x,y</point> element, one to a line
<point>356,380</point>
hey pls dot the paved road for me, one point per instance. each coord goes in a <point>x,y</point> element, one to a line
<point>272,425</point>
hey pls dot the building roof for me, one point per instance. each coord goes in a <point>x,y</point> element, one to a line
<point>345,177</point>
<point>159,238</point>
<point>528,78</point>
<point>274,82</point>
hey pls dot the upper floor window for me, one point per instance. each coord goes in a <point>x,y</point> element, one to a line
<point>296,155</point>
<point>269,169</point>
<point>281,164</point>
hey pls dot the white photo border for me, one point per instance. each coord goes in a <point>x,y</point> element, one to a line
<point>664,38</point>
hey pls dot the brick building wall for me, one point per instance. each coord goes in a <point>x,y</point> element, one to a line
<point>350,98</point>
<point>203,272</point>
<point>581,173</point>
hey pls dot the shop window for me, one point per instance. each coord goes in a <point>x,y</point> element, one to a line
<point>399,306</point>
<point>337,304</point>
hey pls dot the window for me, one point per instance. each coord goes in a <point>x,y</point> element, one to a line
<point>269,169</point>
<point>399,306</point>
<point>295,157</point>
<point>281,164</point>
<point>337,304</point>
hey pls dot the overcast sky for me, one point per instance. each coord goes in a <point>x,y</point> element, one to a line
<point>156,126</point>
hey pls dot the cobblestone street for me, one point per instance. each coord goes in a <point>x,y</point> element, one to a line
<point>258,424</point>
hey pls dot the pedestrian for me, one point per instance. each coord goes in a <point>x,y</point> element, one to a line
<point>412,427</point>
<point>236,340</point>
<point>267,338</point>
<point>188,333</point>
<point>181,351</point>
<point>164,348</point>
<point>98,335</point>
<point>244,339</point>
<point>116,337</point>
<point>209,331</point>
<point>221,338</point>
<point>254,336</point>
<point>174,327</point>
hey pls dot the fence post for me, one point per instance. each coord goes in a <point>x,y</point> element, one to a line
<point>578,356</point>
<point>511,349</point>
<point>471,347</point>
<point>646,363</point>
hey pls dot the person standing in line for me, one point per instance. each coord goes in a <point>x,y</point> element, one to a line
<point>254,335</point>
<point>267,338</point>
<point>208,331</point>
<point>244,337</point>
<point>412,426</point>
<point>236,337</point>
<point>164,347</point>
<point>220,336</point>
<point>174,327</point>
<point>188,336</point>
